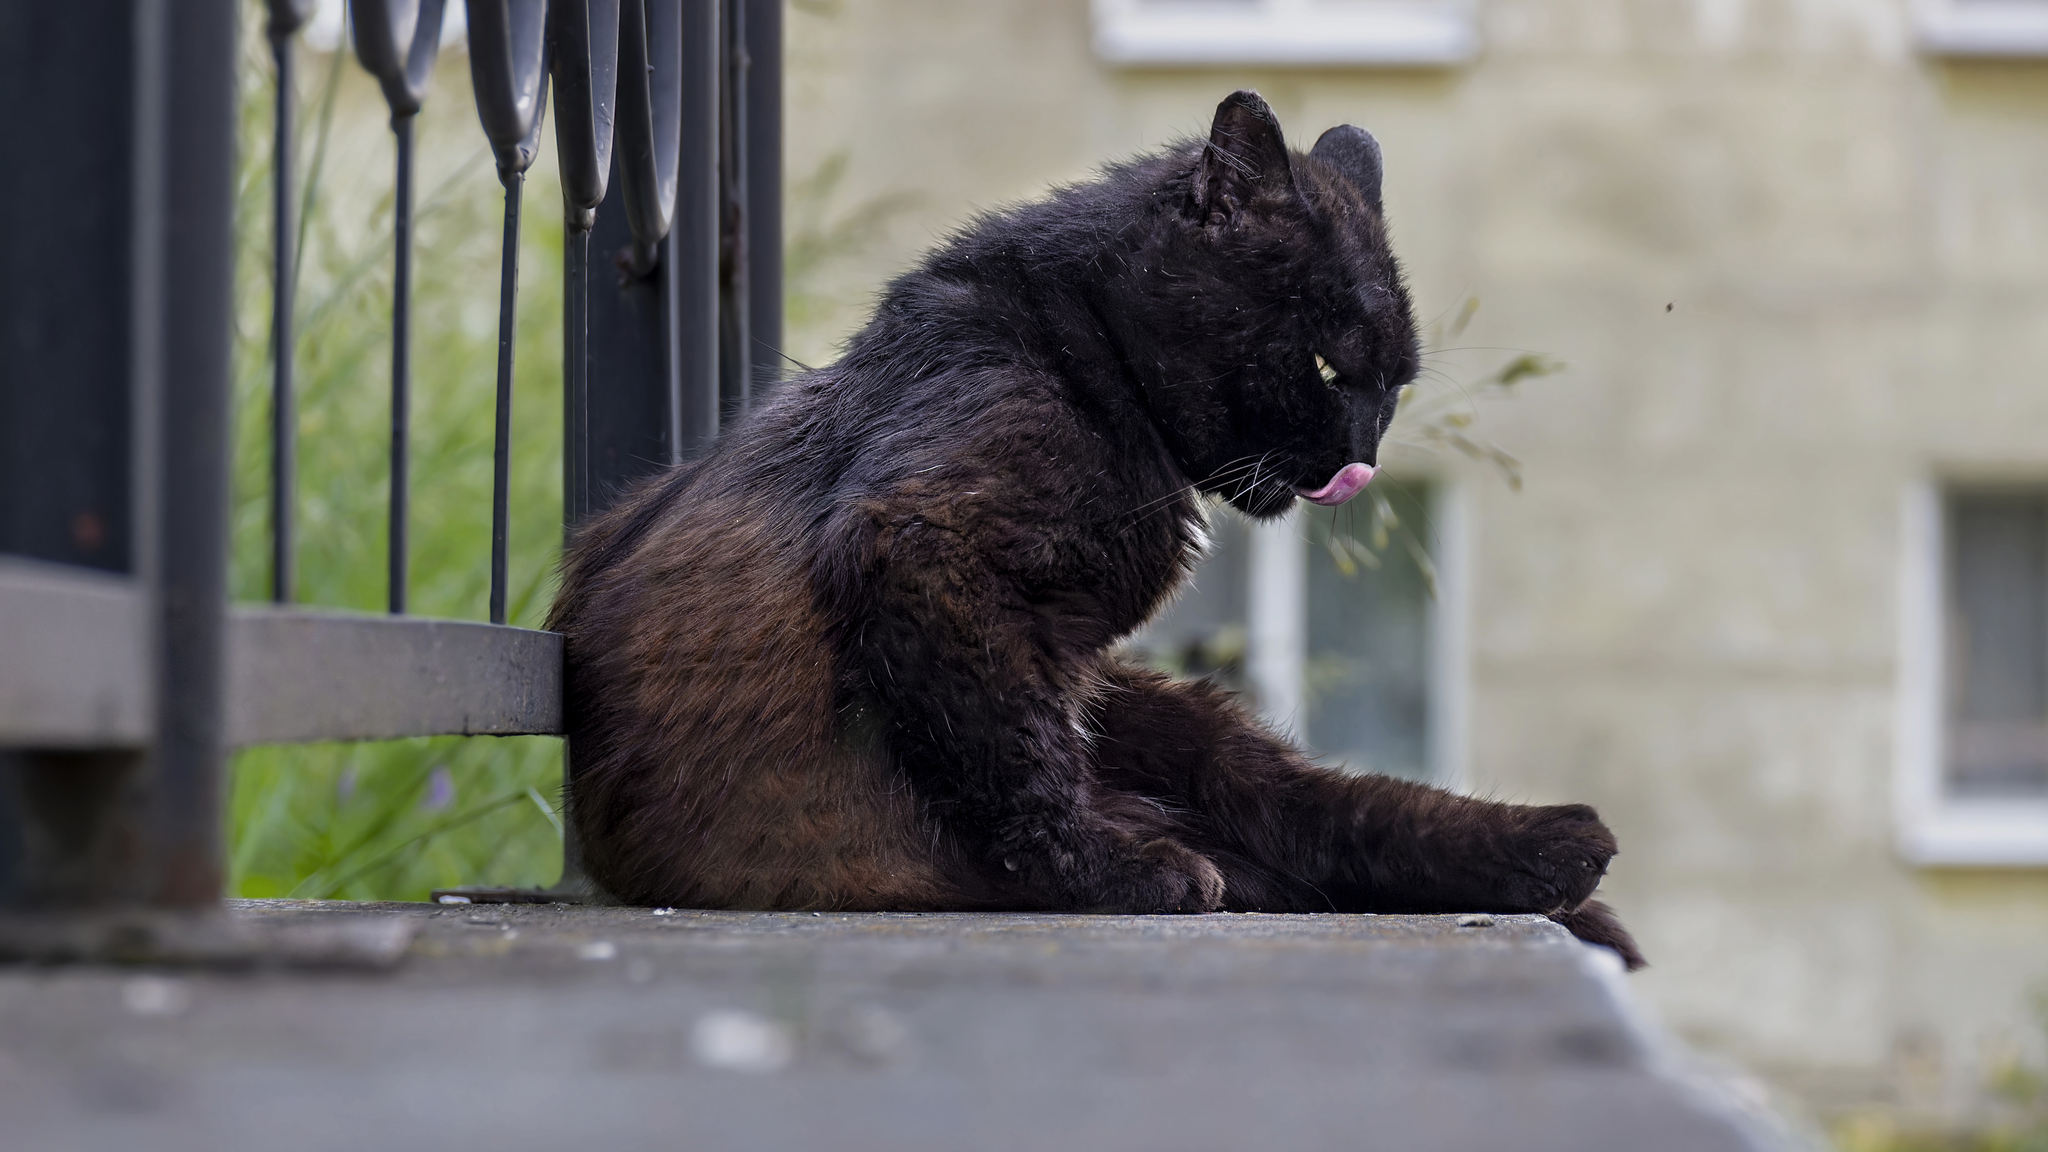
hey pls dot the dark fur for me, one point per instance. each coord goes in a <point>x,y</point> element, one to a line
<point>857,657</point>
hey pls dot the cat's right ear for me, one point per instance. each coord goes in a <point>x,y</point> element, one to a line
<point>1352,151</point>
<point>1246,159</point>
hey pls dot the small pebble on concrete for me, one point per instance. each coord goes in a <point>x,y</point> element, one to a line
<point>741,1041</point>
<point>156,996</point>
<point>1475,920</point>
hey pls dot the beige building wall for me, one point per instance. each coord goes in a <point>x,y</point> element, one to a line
<point>1794,266</point>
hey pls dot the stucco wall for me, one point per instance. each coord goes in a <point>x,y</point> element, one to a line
<point>1688,616</point>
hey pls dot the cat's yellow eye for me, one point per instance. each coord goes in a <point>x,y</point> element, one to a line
<point>1323,366</point>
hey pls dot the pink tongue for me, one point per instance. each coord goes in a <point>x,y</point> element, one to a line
<point>1349,481</point>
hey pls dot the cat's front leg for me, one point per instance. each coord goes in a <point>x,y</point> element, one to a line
<point>1524,858</point>
<point>1304,837</point>
<point>981,715</point>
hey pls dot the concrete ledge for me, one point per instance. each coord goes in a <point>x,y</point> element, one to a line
<point>74,670</point>
<point>296,675</point>
<point>74,658</point>
<point>553,1027</point>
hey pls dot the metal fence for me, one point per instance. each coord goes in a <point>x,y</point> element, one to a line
<point>124,675</point>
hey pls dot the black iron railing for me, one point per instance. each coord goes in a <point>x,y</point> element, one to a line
<point>123,676</point>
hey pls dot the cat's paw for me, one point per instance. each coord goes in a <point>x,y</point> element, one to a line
<point>1596,923</point>
<point>1163,875</point>
<point>1557,856</point>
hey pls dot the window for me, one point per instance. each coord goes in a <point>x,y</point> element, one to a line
<point>1998,644</point>
<point>1302,33</point>
<point>1973,742</point>
<point>1983,27</point>
<point>1342,629</point>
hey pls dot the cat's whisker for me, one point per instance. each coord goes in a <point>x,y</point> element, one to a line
<point>1252,482</point>
<point>1218,478</point>
<point>1484,348</point>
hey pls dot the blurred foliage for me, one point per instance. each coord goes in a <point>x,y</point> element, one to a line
<point>818,232</point>
<point>390,820</point>
<point>1438,412</point>
<point>1215,654</point>
<point>2019,1096</point>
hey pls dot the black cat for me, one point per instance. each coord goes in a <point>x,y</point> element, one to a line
<point>857,657</point>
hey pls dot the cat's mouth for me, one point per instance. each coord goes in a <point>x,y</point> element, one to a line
<point>1349,481</point>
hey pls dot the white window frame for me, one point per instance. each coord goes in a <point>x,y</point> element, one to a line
<point>1450,634</point>
<point>1286,33</point>
<point>1982,27</point>
<point>1933,827</point>
<point>1277,624</point>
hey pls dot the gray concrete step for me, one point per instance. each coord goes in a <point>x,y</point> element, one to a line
<point>558,1027</point>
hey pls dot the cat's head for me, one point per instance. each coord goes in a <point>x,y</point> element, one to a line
<point>1273,333</point>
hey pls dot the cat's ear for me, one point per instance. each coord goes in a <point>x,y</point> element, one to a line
<point>1246,159</point>
<point>1352,151</point>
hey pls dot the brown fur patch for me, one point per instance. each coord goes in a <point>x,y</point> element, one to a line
<point>717,746</point>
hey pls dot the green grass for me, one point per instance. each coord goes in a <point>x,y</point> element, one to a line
<point>391,820</point>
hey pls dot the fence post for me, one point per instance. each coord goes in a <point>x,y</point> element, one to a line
<point>124,467</point>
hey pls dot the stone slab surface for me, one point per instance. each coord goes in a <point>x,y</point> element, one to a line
<point>557,1027</point>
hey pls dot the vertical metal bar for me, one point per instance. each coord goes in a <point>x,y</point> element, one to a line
<point>628,331</point>
<point>695,236</point>
<point>401,71</point>
<point>575,378</point>
<point>764,192</point>
<point>401,360</point>
<point>198,260</point>
<point>501,446</point>
<point>672,341</point>
<point>283,410</point>
<point>508,72</point>
<point>585,38</point>
<point>626,347</point>
<point>735,338</point>
<point>148,284</point>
